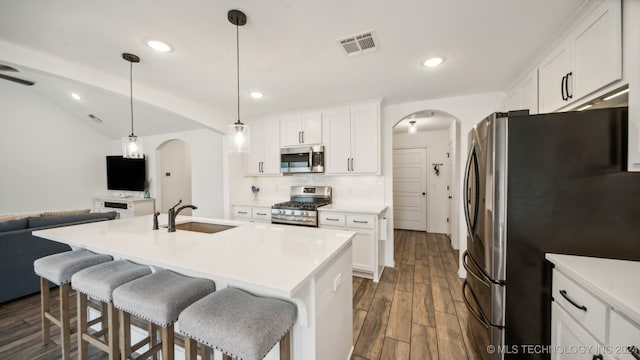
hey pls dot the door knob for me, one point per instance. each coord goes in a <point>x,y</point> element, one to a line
<point>450,197</point>
<point>424,193</point>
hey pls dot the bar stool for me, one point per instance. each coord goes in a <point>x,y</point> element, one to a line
<point>158,298</point>
<point>98,282</point>
<point>240,325</point>
<point>58,269</point>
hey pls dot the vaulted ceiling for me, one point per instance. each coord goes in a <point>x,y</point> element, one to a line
<point>289,48</point>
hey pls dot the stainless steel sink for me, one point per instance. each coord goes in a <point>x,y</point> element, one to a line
<point>203,227</point>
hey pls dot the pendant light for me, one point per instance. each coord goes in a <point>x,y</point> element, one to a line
<point>239,134</point>
<point>412,127</point>
<point>131,145</point>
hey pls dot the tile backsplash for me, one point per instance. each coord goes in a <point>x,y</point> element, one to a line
<point>346,189</point>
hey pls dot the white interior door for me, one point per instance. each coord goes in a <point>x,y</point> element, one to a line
<point>450,191</point>
<point>174,165</point>
<point>410,189</point>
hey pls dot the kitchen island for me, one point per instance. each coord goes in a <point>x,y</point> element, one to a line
<point>308,266</point>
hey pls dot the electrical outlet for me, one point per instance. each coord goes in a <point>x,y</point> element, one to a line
<point>337,282</point>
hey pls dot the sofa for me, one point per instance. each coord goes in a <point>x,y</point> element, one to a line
<point>19,249</point>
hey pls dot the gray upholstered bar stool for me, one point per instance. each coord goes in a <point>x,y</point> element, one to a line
<point>158,298</point>
<point>240,325</point>
<point>98,282</point>
<point>58,268</point>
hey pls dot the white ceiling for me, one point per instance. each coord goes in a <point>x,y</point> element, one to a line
<point>288,48</point>
<point>425,121</point>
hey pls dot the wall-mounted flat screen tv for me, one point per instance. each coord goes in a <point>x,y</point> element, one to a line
<point>125,174</point>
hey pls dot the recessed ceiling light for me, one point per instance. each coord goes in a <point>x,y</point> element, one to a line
<point>256,94</point>
<point>158,45</point>
<point>434,61</point>
<point>75,96</point>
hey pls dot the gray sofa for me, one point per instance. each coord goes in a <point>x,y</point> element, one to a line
<point>19,249</point>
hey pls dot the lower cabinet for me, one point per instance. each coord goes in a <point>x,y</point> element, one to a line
<point>584,326</point>
<point>260,214</point>
<point>364,243</point>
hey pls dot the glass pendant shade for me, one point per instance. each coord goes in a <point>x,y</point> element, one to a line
<point>412,127</point>
<point>239,138</point>
<point>132,147</point>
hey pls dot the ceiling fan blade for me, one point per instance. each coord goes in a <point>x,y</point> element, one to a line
<point>7,68</point>
<point>16,80</point>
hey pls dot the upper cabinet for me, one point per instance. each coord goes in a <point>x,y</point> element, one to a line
<point>525,95</point>
<point>352,140</point>
<point>589,59</point>
<point>301,129</point>
<point>264,158</point>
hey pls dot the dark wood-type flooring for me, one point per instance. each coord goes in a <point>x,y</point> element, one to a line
<point>415,312</point>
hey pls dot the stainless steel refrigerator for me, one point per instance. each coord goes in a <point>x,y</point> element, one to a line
<point>535,184</point>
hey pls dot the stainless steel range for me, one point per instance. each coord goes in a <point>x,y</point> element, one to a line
<point>302,209</point>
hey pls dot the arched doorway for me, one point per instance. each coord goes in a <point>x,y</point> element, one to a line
<point>424,145</point>
<point>173,171</point>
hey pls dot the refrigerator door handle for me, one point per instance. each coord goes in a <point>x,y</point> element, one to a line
<point>477,314</point>
<point>472,160</point>
<point>483,277</point>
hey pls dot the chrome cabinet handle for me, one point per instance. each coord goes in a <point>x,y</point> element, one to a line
<point>564,295</point>
<point>348,164</point>
<point>331,219</point>
<point>261,214</point>
<point>242,212</point>
<point>303,137</point>
<point>360,221</point>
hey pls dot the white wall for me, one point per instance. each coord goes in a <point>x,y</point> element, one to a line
<point>50,160</point>
<point>437,143</point>
<point>467,110</point>
<point>206,166</point>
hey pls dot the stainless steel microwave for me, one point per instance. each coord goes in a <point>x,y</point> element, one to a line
<point>297,160</point>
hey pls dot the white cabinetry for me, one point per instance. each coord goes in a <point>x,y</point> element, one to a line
<point>260,214</point>
<point>593,301</point>
<point>525,94</point>
<point>301,129</point>
<point>352,140</point>
<point>264,158</point>
<point>364,243</point>
<point>588,59</point>
<point>126,207</point>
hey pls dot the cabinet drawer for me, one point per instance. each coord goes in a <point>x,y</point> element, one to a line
<point>583,306</point>
<point>263,214</point>
<point>624,335</point>
<point>361,221</point>
<point>242,212</point>
<point>332,219</point>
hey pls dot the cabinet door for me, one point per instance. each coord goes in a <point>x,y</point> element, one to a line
<point>291,130</point>
<point>552,71</point>
<point>337,140</point>
<point>365,140</point>
<point>312,128</point>
<point>270,132</point>
<point>362,245</point>
<point>261,214</point>
<point>567,334</point>
<point>524,96</point>
<point>242,213</point>
<point>624,335</point>
<point>598,44</point>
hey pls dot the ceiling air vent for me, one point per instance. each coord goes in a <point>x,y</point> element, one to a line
<point>360,43</point>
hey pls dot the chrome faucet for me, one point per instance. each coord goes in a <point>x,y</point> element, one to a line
<point>173,212</point>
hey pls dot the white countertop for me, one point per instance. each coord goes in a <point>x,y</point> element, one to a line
<point>357,208</point>
<point>275,259</point>
<point>617,282</point>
